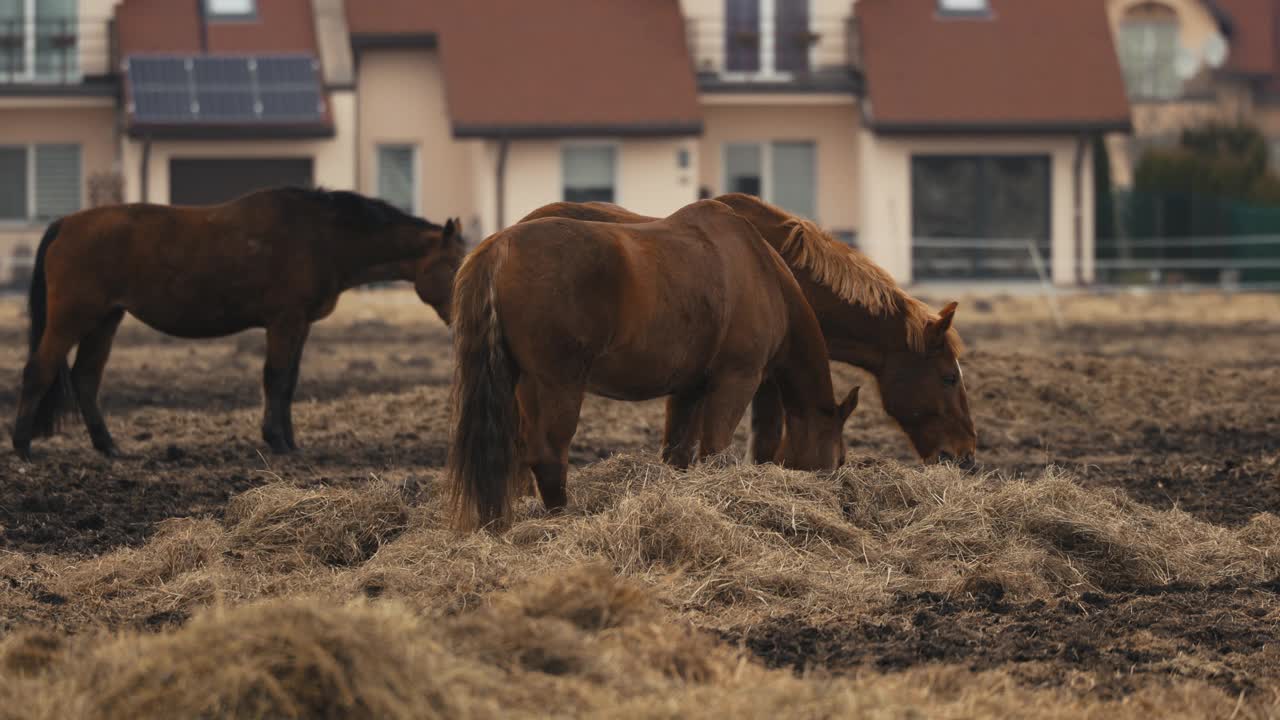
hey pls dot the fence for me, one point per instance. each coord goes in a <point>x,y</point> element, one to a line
<point>1242,262</point>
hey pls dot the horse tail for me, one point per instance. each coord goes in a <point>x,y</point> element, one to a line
<point>60,398</point>
<point>483,453</point>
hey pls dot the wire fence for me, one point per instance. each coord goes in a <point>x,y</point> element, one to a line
<point>1243,262</point>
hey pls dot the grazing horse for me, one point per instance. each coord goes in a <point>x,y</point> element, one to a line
<point>276,259</point>
<point>695,307</point>
<point>868,322</point>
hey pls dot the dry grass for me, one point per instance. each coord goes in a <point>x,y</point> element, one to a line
<point>584,643</point>
<point>594,612</point>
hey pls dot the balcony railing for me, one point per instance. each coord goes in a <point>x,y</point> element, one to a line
<point>822,49</point>
<point>51,51</point>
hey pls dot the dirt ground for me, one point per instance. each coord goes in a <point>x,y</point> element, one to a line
<point>1166,404</point>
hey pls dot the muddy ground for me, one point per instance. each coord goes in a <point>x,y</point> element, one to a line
<point>1172,400</point>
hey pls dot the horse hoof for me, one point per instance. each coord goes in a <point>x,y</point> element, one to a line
<point>23,453</point>
<point>110,451</point>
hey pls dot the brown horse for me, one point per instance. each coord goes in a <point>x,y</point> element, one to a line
<point>696,307</point>
<point>276,259</point>
<point>868,322</point>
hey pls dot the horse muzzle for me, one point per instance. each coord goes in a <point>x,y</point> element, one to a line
<point>968,463</point>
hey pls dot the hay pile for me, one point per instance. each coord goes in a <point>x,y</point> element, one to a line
<point>361,603</point>
<point>584,643</point>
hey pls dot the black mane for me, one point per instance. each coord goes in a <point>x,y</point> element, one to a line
<point>366,212</point>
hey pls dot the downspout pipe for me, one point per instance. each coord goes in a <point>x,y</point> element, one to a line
<point>203,20</point>
<point>1082,143</point>
<point>504,145</point>
<point>144,180</point>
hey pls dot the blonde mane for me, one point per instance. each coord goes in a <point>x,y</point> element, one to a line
<point>854,278</point>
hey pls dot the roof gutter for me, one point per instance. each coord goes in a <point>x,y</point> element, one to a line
<point>530,132</point>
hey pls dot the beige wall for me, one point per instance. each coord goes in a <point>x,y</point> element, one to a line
<point>647,178</point>
<point>402,101</point>
<point>94,40</point>
<point>828,19</point>
<point>886,195</point>
<point>334,158</point>
<point>832,123</point>
<point>87,123</point>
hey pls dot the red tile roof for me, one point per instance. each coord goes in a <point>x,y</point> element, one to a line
<point>392,17</point>
<point>147,27</point>
<point>1028,65</point>
<point>567,67</point>
<point>1253,38</point>
<point>169,26</point>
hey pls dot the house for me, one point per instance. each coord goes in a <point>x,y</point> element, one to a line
<point>1189,62</point>
<point>948,155</point>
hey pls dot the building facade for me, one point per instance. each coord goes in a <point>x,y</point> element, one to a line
<point>960,153</point>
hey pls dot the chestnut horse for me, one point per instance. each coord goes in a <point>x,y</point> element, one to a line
<point>695,307</point>
<point>276,259</point>
<point>868,322</point>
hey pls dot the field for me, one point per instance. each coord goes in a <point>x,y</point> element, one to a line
<point>1119,555</point>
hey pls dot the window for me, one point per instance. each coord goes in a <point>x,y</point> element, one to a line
<point>39,41</point>
<point>39,182</point>
<point>589,172</point>
<point>963,7</point>
<point>973,216</point>
<point>767,37</point>
<point>231,9</point>
<point>784,173</point>
<point>1149,52</point>
<point>398,176</point>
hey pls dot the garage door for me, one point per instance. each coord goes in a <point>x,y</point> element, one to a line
<point>211,181</point>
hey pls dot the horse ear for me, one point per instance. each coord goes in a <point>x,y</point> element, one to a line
<point>450,230</point>
<point>938,328</point>
<point>850,404</point>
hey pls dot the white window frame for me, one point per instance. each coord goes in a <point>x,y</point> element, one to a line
<point>768,71</point>
<point>766,166</point>
<point>216,16</point>
<point>31,36</point>
<point>31,219</point>
<point>415,174</point>
<point>614,145</point>
<point>1142,82</point>
<point>975,7</point>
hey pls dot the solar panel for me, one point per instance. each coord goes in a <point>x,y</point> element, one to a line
<point>225,89</point>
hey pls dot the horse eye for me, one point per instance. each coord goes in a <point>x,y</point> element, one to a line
<point>950,380</point>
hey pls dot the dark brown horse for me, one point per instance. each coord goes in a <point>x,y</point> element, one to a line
<point>275,259</point>
<point>696,307</point>
<point>868,322</point>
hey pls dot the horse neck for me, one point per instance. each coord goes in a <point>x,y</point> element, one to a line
<point>384,272</point>
<point>857,336</point>
<point>392,245</point>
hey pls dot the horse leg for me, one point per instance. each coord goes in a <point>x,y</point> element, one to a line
<point>86,378</point>
<point>38,377</point>
<point>553,422</point>
<point>526,399</point>
<point>767,422</point>
<point>295,369</point>
<point>723,408</point>
<point>284,341</point>
<point>684,417</point>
